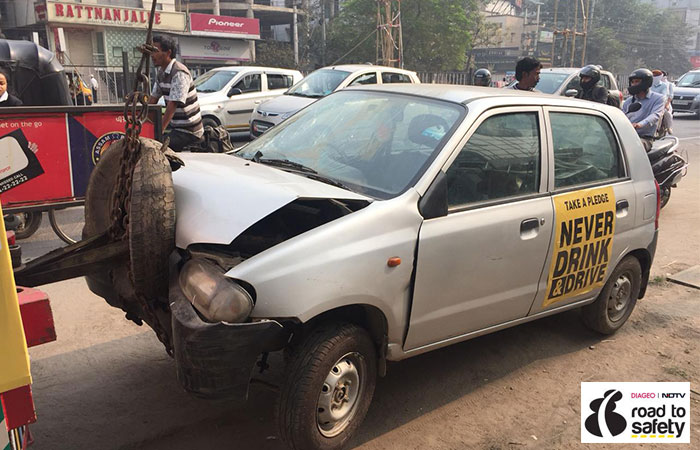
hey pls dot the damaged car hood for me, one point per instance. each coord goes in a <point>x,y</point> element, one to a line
<point>218,196</point>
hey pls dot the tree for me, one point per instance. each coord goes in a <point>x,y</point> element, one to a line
<point>436,33</point>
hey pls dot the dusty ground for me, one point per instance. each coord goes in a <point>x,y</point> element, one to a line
<point>107,384</point>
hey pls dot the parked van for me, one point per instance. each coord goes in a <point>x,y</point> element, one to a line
<point>228,95</point>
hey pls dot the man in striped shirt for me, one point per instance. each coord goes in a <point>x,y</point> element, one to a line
<point>182,120</point>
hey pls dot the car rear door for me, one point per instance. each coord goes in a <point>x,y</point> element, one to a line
<point>594,206</point>
<point>480,265</point>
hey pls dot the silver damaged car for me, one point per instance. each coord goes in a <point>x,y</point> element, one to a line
<point>383,222</point>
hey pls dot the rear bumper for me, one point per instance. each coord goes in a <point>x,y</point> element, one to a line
<point>215,360</point>
<point>685,105</point>
<point>651,250</point>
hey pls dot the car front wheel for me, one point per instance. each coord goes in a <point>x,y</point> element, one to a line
<point>616,301</point>
<point>330,383</point>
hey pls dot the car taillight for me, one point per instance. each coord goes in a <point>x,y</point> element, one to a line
<point>621,98</point>
<point>658,204</point>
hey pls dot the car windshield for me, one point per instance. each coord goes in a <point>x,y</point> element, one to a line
<point>214,80</point>
<point>319,83</point>
<point>550,82</point>
<point>690,80</point>
<point>375,143</point>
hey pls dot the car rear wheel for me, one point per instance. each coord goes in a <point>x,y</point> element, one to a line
<point>617,300</point>
<point>29,223</point>
<point>331,378</point>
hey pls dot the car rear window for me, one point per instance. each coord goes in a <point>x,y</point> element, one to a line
<point>393,77</point>
<point>279,81</point>
<point>585,149</point>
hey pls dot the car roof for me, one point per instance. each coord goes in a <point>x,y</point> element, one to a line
<point>361,67</point>
<point>465,94</point>
<point>568,70</point>
<point>246,68</point>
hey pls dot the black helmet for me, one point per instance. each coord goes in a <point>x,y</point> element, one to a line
<point>647,80</point>
<point>590,71</point>
<point>482,77</point>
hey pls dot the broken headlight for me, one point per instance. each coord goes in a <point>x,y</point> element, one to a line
<point>217,297</point>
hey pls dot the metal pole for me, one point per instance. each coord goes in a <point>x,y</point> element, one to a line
<point>400,39</point>
<point>573,36</point>
<point>125,70</point>
<point>585,31</point>
<point>554,33</point>
<point>217,9</point>
<point>295,36</point>
<point>537,29</point>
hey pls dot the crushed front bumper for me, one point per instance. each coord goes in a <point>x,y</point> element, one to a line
<point>215,360</point>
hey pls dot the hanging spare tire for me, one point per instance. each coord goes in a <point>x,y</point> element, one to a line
<point>151,223</point>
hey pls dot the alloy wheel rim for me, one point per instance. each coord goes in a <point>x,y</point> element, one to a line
<point>619,297</point>
<point>339,396</point>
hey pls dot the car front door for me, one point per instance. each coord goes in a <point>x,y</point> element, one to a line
<point>480,265</point>
<point>239,106</point>
<point>594,205</point>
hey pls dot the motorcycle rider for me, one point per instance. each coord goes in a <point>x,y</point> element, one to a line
<point>590,90</point>
<point>482,77</point>
<point>645,118</point>
<point>663,87</point>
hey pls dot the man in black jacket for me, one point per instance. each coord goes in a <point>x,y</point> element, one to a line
<point>590,90</point>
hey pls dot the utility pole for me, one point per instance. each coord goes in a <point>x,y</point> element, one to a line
<point>389,33</point>
<point>555,31</point>
<point>573,37</point>
<point>585,30</point>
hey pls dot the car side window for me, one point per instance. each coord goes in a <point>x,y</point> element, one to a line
<point>368,78</point>
<point>585,149</point>
<point>393,77</point>
<point>605,81</point>
<point>501,159</point>
<point>278,81</point>
<point>250,83</point>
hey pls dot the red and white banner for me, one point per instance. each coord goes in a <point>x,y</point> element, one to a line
<point>224,26</point>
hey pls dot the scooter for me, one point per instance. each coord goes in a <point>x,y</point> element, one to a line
<point>669,165</point>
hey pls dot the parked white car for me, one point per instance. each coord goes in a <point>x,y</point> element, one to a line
<point>319,84</point>
<point>228,95</point>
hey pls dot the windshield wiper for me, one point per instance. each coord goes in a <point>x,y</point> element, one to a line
<point>304,170</point>
<point>283,163</point>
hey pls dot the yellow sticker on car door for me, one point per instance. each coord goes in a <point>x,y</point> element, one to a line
<point>585,227</point>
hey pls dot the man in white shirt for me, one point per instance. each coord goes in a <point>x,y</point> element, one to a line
<point>95,86</point>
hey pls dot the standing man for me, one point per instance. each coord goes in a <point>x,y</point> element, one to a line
<point>95,86</point>
<point>182,119</point>
<point>590,90</point>
<point>527,72</point>
<point>645,118</point>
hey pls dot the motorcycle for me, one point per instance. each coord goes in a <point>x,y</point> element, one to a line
<point>669,165</point>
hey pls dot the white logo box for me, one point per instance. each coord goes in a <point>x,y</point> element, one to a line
<point>631,412</point>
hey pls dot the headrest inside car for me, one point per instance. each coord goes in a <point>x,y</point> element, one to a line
<point>427,129</point>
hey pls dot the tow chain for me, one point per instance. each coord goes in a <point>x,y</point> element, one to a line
<point>135,113</point>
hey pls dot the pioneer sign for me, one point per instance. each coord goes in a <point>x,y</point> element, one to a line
<point>224,26</point>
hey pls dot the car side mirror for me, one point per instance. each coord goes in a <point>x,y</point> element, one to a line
<point>434,203</point>
<point>234,91</point>
<point>571,93</point>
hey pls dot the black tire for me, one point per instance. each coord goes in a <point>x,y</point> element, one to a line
<point>665,196</point>
<point>151,221</point>
<point>345,350</point>
<point>616,301</point>
<point>29,223</point>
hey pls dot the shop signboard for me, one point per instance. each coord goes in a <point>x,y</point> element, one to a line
<point>224,26</point>
<point>47,157</point>
<point>210,48</point>
<point>115,16</point>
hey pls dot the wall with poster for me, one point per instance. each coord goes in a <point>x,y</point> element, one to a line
<point>49,153</point>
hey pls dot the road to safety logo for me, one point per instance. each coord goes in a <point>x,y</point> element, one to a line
<point>103,142</point>
<point>585,226</point>
<point>635,412</point>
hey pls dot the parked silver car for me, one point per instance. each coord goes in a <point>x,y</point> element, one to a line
<point>565,81</point>
<point>384,222</point>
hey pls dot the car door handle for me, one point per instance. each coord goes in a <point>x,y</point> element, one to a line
<point>622,204</point>
<point>257,102</point>
<point>529,228</point>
